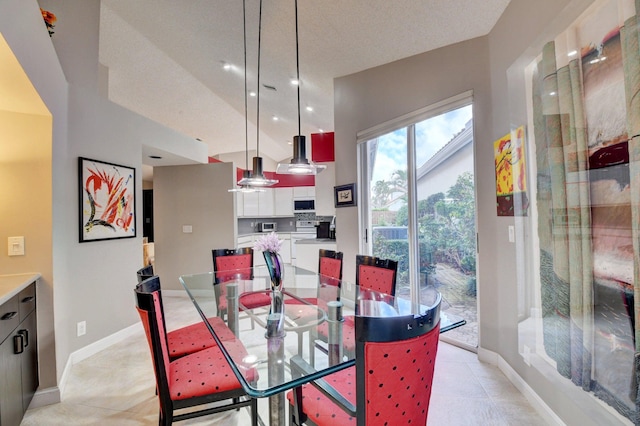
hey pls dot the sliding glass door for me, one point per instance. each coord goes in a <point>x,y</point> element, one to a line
<point>419,205</point>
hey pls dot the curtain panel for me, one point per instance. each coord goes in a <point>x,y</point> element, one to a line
<point>586,125</point>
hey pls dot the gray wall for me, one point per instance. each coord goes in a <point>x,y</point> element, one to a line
<point>80,277</point>
<point>194,195</point>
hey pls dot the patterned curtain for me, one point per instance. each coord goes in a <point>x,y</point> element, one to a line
<point>631,60</point>
<point>588,199</point>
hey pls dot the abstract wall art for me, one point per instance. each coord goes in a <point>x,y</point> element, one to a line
<point>107,200</point>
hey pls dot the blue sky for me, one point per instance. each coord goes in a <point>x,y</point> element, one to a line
<point>432,135</point>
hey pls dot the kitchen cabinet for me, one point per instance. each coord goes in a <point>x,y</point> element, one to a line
<point>18,355</point>
<point>308,253</point>
<point>325,181</point>
<point>239,197</point>
<point>265,203</point>
<point>255,204</point>
<point>283,200</point>
<point>295,237</point>
<point>251,204</point>
<point>304,191</point>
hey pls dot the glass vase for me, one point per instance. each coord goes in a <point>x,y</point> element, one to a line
<point>275,265</point>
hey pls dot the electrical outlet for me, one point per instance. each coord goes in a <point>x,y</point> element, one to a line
<point>81,328</point>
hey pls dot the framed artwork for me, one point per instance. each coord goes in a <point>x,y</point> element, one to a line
<point>511,186</point>
<point>107,200</point>
<point>345,195</point>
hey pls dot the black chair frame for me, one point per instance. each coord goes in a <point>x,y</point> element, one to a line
<point>144,296</point>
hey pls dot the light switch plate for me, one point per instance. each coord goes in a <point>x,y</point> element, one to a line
<point>15,246</point>
<point>187,229</point>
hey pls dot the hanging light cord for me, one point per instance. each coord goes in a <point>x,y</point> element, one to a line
<point>298,67</point>
<point>246,120</point>
<point>258,91</point>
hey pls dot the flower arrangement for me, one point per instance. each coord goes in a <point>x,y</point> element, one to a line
<point>49,20</point>
<point>269,242</point>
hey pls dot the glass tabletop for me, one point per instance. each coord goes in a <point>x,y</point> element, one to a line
<point>307,320</point>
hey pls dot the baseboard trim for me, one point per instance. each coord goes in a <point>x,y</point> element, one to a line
<point>534,399</point>
<point>44,397</point>
<point>92,349</point>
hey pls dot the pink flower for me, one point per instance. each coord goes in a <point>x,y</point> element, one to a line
<point>269,242</point>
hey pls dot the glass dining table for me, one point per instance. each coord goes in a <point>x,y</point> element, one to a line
<point>274,333</point>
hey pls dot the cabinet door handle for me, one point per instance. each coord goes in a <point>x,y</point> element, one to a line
<point>25,334</point>
<point>27,299</point>
<point>9,315</point>
<point>18,344</point>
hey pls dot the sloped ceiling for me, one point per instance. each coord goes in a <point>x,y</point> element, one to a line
<point>165,58</point>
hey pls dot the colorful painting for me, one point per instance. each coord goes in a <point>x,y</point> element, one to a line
<point>107,200</point>
<point>511,188</point>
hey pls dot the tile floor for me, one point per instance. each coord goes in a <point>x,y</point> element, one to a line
<point>116,387</point>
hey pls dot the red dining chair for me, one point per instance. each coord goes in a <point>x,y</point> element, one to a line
<point>372,273</point>
<point>194,380</point>
<point>390,383</point>
<point>329,281</point>
<point>231,264</point>
<point>191,338</point>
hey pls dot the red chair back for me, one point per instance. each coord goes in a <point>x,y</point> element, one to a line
<point>395,361</point>
<point>229,264</point>
<point>330,267</point>
<point>390,383</point>
<point>373,273</point>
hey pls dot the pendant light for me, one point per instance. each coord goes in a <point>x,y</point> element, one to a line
<point>299,164</point>
<point>257,177</point>
<point>246,173</point>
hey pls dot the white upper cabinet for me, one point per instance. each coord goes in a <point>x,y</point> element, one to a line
<point>283,199</point>
<point>304,191</point>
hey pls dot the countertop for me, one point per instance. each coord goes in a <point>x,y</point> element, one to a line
<point>316,241</point>
<point>10,285</point>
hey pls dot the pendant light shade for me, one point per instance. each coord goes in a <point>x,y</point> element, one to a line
<point>299,164</point>
<point>257,178</point>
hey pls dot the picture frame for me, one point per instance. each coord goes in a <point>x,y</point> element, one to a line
<point>107,200</point>
<point>345,195</point>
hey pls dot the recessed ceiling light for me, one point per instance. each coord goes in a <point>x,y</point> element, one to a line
<point>321,131</point>
<point>226,66</point>
<point>252,94</point>
<point>309,108</point>
<point>275,118</point>
<point>155,157</point>
<point>294,82</point>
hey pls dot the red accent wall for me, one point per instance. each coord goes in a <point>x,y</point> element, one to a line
<point>284,181</point>
<point>322,150</point>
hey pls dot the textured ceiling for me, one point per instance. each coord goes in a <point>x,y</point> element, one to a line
<point>165,58</point>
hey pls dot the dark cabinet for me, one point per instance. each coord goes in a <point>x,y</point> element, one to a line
<point>18,356</point>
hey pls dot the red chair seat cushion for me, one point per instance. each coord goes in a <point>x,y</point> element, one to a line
<point>195,337</point>
<point>348,334</point>
<point>320,409</point>
<point>211,369</point>
<point>255,300</point>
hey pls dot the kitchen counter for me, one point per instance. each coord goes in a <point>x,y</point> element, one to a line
<point>316,241</point>
<point>10,285</point>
